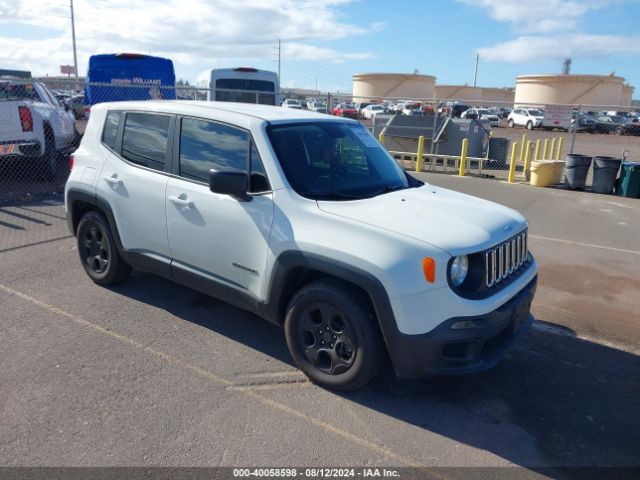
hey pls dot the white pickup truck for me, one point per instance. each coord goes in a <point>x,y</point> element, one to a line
<point>34,126</point>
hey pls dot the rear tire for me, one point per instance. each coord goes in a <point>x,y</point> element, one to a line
<point>529,125</point>
<point>48,162</point>
<point>333,335</point>
<point>510,123</point>
<point>98,251</point>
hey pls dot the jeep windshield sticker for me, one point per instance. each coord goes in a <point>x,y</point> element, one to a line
<point>364,136</point>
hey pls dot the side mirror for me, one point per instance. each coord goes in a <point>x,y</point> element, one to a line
<point>229,182</point>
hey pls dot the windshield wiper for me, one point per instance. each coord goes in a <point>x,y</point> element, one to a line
<point>387,189</point>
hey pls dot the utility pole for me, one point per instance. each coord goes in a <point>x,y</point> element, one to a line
<point>475,70</point>
<point>279,59</point>
<point>73,36</point>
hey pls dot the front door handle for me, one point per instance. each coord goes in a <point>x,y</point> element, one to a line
<point>113,180</point>
<point>181,201</point>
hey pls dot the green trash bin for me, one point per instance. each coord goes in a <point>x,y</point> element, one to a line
<point>629,181</point>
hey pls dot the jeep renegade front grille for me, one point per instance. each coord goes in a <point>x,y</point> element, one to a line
<point>504,260</point>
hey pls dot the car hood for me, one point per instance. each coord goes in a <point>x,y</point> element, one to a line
<point>452,221</point>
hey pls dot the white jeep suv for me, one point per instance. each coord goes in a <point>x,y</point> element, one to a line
<point>307,221</point>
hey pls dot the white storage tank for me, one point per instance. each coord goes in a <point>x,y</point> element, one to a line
<point>374,86</point>
<point>569,89</point>
<point>627,95</point>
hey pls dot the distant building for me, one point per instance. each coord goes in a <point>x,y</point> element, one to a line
<point>15,73</point>
<point>62,82</point>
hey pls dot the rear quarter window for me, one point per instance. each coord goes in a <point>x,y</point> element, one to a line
<point>111,129</point>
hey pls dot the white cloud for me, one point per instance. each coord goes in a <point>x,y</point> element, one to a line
<point>532,48</point>
<point>539,15</point>
<point>551,30</point>
<point>192,32</point>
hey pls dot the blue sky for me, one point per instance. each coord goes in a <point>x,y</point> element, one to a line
<point>326,41</point>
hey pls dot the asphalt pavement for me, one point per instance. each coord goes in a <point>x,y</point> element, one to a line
<point>150,373</point>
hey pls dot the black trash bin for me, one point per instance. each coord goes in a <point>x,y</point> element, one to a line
<point>605,172</point>
<point>576,170</point>
<point>498,152</point>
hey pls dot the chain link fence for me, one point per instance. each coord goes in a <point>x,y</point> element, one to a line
<point>41,124</point>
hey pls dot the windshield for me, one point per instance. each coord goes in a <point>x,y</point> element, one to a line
<point>483,111</point>
<point>335,161</point>
<point>536,113</point>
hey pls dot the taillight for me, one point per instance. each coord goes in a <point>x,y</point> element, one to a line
<point>26,119</point>
<point>71,160</point>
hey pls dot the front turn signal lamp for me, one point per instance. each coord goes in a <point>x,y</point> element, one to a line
<point>429,269</point>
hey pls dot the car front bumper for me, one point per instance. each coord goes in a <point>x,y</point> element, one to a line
<point>479,347</point>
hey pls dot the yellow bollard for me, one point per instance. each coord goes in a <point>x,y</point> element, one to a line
<point>524,142</point>
<point>463,157</point>
<point>559,148</point>
<point>512,165</point>
<point>419,154</point>
<point>527,159</point>
<point>545,150</point>
<point>381,138</point>
<point>536,154</point>
<point>552,149</point>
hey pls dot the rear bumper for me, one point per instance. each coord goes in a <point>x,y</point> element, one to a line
<point>465,350</point>
<point>20,148</point>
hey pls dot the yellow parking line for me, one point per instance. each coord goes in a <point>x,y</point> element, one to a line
<point>363,442</point>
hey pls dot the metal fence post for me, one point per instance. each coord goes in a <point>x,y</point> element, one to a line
<point>552,149</point>
<point>536,153</point>
<point>435,126</point>
<point>512,165</point>
<point>381,138</point>
<point>575,129</point>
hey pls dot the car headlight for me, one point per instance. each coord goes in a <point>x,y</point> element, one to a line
<point>459,269</point>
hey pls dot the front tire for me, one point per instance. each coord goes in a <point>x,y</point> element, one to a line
<point>98,251</point>
<point>529,125</point>
<point>510,123</point>
<point>333,335</point>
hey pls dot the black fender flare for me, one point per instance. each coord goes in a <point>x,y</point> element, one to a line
<point>289,261</point>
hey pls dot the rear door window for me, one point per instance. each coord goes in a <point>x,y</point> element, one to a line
<point>144,140</point>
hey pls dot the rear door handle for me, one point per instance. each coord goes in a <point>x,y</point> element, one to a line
<point>113,180</point>
<point>181,201</point>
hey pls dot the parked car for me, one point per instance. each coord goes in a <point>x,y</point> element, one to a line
<point>631,128</point>
<point>610,124</point>
<point>482,114</point>
<point>292,103</point>
<point>370,111</point>
<point>324,234</point>
<point>413,108</point>
<point>76,105</point>
<point>34,127</point>
<point>318,107</point>
<point>361,106</point>
<point>526,117</point>
<point>583,123</point>
<point>346,110</point>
